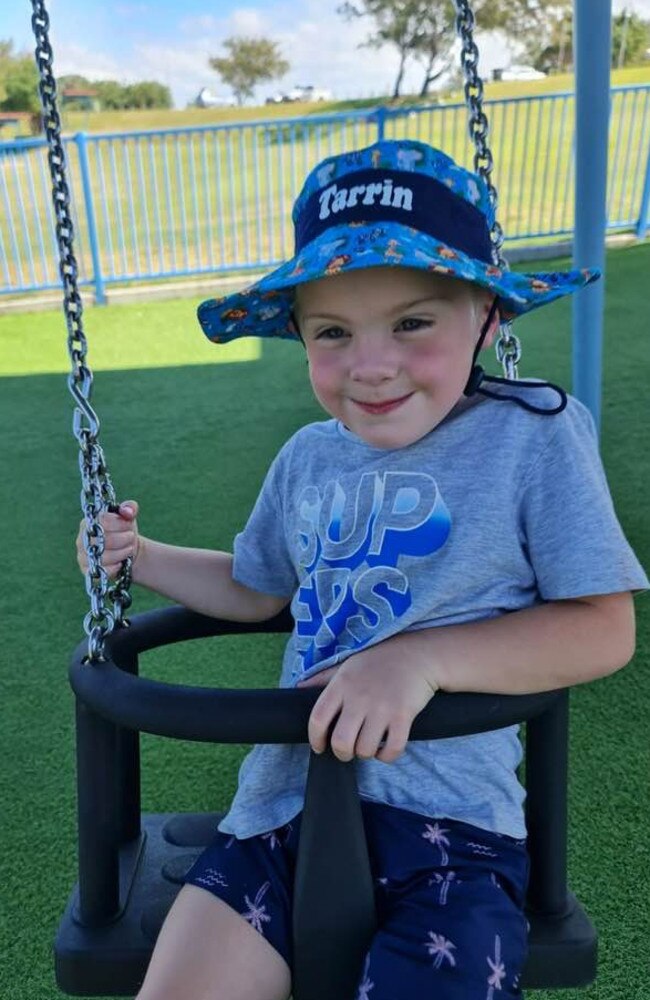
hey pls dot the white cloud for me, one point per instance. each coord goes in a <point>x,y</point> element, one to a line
<point>133,10</point>
<point>72,58</point>
<point>321,46</point>
<point>247,21</point>
<point>640,7</point>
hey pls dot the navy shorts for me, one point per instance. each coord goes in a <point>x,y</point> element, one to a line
<point>449,897</point>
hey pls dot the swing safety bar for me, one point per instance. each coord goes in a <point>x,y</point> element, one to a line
<point>130,866</point>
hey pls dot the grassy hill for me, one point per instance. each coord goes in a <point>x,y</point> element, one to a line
<point>126,121</point>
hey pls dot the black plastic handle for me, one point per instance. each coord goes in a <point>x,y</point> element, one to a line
<point>221,715</point>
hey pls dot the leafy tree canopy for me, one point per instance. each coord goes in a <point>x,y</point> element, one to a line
<point>425,29</point>
<point>114,96</point>
<point>630,39</point>
<point>18,80</point>
<point>249,62</point>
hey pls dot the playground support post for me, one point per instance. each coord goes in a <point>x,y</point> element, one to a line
<point>592,34</point>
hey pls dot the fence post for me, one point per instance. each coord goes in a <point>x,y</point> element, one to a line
<point>82,149</point>
<point>381,121</point>
<point>644,212</point>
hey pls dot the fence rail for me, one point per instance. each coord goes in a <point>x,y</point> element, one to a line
<point>215,199</point>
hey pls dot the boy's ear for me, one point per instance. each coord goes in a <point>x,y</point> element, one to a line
<point>295,328</point>
<point>493,328</point>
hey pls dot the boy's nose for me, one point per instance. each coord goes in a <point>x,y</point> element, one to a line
<point>372,363</point>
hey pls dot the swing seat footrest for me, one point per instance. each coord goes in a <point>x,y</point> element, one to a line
<point>111,960</point>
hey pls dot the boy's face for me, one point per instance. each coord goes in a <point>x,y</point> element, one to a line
<point>390,349</point>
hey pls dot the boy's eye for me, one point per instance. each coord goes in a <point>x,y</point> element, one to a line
<point>331,333</point>
<point>413,323</point>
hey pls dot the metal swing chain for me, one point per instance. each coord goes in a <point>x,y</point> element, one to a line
<point>508,348</point>
<point>97,493</point>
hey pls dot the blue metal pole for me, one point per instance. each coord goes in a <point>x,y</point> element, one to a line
<point>644,211</point>
<point>100,294</point>
<point>592,34</point>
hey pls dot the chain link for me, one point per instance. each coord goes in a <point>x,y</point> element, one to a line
<point>508,348</point>
<point>97,493</point>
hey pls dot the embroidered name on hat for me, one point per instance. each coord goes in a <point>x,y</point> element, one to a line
<point>409,198</point>
<point>334,199</point>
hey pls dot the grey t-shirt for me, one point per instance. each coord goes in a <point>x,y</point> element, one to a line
<point>495,510</point>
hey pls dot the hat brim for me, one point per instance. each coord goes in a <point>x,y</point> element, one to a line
<point>264,309</point>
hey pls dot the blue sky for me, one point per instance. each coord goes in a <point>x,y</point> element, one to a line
<point>170,41</point>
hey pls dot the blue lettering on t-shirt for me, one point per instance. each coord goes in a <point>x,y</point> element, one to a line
<point>351,585</point>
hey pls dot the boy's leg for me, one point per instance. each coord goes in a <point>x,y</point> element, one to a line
<point>207,951</point>
<point>473,947</point>
<point>450,905</point>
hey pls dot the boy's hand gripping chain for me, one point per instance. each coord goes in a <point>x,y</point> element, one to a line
<point>508,348</point>
<point>97,493</point>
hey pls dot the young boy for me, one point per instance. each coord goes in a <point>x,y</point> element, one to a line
<point>431,535</point>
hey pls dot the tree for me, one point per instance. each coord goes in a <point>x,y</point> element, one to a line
<point>250,61</point>
<point>147,94</point>
<point>20,86</point>
<point>630,39</point>
<point>73,81</point>
<point>435,40</point>
<point>6,60</point>
<point>540,27</point>
<point>112,95</point>
<point>401,23</point>
<point>557,54</point>
<point>425,29</point>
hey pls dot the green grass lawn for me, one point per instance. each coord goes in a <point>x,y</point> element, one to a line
<point>189,429</point>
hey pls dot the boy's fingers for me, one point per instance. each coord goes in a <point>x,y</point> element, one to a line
<point>118,555</point>
<point>371,735</point>
<point>345,735</point>
<point>119,539</point>
<point>129,509</point>
<point>395,744</point>
<point>320,720</point>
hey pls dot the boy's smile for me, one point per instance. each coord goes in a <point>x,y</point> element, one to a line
<point>390,349</point>
<point>384,407</point>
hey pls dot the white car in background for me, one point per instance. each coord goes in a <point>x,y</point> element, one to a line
<point>307,93</point>
<point>521,73</point>
<point>206,99</point>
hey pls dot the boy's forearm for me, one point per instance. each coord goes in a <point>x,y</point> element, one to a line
<point>200,579</point>
<point>549,646</point>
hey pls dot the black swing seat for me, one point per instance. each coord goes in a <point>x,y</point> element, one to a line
<point>131,866</point>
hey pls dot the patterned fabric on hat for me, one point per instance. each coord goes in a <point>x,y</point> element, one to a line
<point>394,204</point>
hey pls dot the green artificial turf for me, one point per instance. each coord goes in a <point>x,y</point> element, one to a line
<point>189,430</point>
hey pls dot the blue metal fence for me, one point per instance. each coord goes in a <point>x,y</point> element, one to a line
<point>216,199</point>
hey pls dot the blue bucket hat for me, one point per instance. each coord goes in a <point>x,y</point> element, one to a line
<point>397,203</point>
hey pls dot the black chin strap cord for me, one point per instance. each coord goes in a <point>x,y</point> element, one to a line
<point>478,377</point>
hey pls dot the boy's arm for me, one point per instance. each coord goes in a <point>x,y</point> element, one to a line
<point>548,646</point>
<point>201,579</point>
<point>376,693</point>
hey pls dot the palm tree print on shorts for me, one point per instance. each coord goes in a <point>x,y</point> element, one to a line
<point>441,948</point>
<point>256,913</point>
<point>444,881</point>
<point>498,972</point>
<point>436,835</point>
<point>366,984</point>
